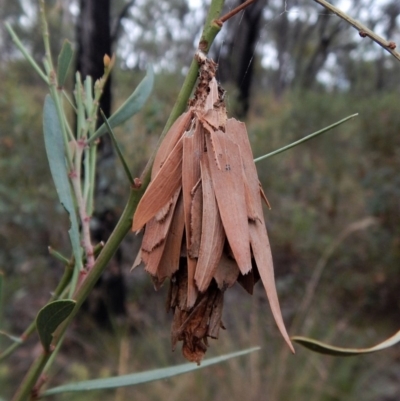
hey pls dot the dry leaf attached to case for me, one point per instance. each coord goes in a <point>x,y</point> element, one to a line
<point>203,218</point>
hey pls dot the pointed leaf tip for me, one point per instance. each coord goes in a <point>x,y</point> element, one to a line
<point>64,61</point>
<point>323,348</point>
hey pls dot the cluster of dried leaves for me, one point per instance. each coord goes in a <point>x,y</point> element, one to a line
<point>204,221</point>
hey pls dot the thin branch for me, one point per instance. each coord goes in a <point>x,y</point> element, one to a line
<point>236,10</point>
<point>362,29</point>
<point>117,25</point>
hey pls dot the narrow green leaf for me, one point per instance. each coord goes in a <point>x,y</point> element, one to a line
<point>25,52</point>
<point>131,106</point>
<point>305,139</point>
<point>322,348</point>
<point>50,317</point>
<point>143,377</point>
<point>15,339</point>
<point>56,156</point>
<point>117,148</point>
<point>64,61</point>
<point>59,256</point>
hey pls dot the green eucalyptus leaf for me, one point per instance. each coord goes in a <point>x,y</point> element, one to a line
<point>55,154</point>
<point>143,377</point>
<point>322,348</point>
<point>131,106</point>
<point>50,317</point>
<point>64,61</point>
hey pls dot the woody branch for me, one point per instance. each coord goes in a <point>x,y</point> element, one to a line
<point>390,46</point>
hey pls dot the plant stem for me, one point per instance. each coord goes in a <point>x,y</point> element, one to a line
<point>83,291</point>
<point>81,203</point>
<point>65,280</point>
<point>92,177</point>
<point>31,377</point>
<point>362,29</point>
<point>46,36</point>
<point>122,228</point>
<point>210,31</point>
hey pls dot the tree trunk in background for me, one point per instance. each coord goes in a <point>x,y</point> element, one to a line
<point>94,41</point>
<point>236,64</point>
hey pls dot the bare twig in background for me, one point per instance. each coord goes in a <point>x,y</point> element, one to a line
<point>235,11</point>
<point>390,46</point>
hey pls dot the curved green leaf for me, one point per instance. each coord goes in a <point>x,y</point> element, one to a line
<point>64,61</point>
<point>54,144</point>
<point>143,377</point>
<point>50,317</point>
<point>131,106</point>
<point>322,348</point>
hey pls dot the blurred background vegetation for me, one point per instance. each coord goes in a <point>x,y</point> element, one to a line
<point>290,68</point>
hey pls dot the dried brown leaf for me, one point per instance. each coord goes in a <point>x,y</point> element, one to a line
<point>196,213</point>
<point>227,272</point>
<point>230,193</point>
<point>162,213</point>
<point>216,118</point>
<point>193,145</point>
<point>170,140</point>
<point>264,197</point>
<point>212,234</point>
<point>192,291</point>
<point>215,143</point>
<point>169,263</point>
<point>193,326</point>
<point>258,232</point>
<point>213,95</point>
<point>156,231</point>
<point>152,259</point>
<point>216,315</point>
<point>263,257</point>
<point>161,188</point>
<point>138,260</point>
<point>237,131</point>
